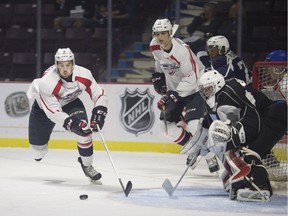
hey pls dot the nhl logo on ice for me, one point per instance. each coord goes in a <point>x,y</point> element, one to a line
<point>17,104</point>
<point>136,111</point>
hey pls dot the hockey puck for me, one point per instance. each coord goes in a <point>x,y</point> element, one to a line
<point>83,196</point>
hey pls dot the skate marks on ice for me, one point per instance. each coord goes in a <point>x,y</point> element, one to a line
<point>208,198</point>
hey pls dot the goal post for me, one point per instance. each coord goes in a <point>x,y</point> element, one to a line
<point>271,79</point>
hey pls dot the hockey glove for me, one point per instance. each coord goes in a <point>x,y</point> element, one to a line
<point>169,101</point>
<point>159,82</point>
<point>98,117</point>
<point>77,126</point>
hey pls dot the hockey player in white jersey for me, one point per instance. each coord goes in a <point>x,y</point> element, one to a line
<point>57,102</point>
<point>244,125</point>
<point>177,70</point>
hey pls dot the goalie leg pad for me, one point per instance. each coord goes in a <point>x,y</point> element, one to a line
<point>243,190</point>
<point>249,176</point>
<point>226,180</point>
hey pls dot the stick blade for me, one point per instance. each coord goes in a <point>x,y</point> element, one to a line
<point>128,188</point>
<point>168,187</point>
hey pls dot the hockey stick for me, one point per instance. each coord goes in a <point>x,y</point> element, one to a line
<point>164,117</point>
<point>174,29</point>
<point>167,185</point>
<point>165,120</point>
<point>128,187</point>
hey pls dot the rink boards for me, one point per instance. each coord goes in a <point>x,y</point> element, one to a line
<point>131,123</point>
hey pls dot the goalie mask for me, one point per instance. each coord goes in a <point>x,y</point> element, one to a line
<point>209,84</point>
<point>162,25</point>
<point>277,72</point>
<point>220,42</point>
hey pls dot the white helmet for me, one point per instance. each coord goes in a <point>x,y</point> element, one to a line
<point>161,25</point>
<point>209,84</point>
<point>219,41</point>
<point>64,54</point>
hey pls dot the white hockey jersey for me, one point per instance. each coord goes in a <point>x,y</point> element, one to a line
<point>181,66</point>
<point>52,92</point>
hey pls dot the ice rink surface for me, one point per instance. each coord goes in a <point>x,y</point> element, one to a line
<point>53,186</point>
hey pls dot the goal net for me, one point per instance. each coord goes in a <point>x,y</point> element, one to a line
<point>271,78</point>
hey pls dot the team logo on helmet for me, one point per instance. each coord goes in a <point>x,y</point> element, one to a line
<point>136,113</point>
<point>17,104</point>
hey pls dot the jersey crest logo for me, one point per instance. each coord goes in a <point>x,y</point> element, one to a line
<point>170,68</point>
<point>136,113</point>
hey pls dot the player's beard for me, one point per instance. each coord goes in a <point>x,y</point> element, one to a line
<point>67,78</point>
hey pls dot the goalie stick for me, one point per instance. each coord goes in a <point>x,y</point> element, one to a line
<point>128,187</point>
<point>167,185</point>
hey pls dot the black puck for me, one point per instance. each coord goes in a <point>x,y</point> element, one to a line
<point>83,196</point>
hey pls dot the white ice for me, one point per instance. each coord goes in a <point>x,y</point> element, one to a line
<point>53,186</point>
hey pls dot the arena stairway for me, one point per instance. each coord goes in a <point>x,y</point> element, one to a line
<point>135,64</point>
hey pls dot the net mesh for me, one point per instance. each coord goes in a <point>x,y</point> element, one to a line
<point>271,78</point>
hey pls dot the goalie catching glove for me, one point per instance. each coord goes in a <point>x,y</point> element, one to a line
<point>98,117</point>
<point>77,126</point>
<point>159,82</point>
<point>223,137</point>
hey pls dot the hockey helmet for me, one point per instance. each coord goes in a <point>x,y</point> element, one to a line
<point>209,84</point>
<point>64,54</point>
<point>218,41</point>
<point>161,25</point>
<point>277,55</point>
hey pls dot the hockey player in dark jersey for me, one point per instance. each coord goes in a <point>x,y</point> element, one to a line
<point>225,61</point>
<point>242,126</point>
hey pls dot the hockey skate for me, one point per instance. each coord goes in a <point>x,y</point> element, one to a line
<point>90,172</point>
